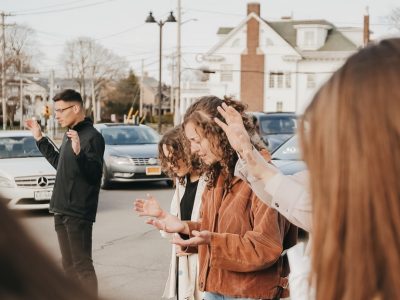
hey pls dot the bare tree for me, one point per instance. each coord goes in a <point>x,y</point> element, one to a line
<point>394,18</point>
<point>86,60</point>
<point>20,49</point>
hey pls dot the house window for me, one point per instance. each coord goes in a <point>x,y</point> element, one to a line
<point>279,106</point>
<point>288,80</point>
<point>309,38</point>
<point>271,80</point>
<point>226,73</point>
<point>280,80</point>
<point>311,81</point>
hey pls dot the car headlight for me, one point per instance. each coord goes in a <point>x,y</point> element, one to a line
<point>5,182</point>
<point>121,160</point>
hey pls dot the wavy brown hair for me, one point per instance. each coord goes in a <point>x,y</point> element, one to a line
<point>202,114</point>
<point>351,147</point>
<point>177,144</point>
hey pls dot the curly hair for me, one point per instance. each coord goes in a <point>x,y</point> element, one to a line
<point>177,144</point>
<point>202,114</point>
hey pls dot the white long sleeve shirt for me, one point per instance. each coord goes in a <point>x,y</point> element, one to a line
<point>288,194</point>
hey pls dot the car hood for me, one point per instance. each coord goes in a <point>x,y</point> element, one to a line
<point>289,167</point>
<point>29,166</point>
<point>139,151</point>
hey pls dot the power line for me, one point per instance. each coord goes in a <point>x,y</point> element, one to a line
<point>48,6</point>
<point>214,12</point>
<point>64,9</point>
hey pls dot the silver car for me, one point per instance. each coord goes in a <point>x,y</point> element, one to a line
<point>131,154</point>
<point>26,177</point>
<point>288,157</point>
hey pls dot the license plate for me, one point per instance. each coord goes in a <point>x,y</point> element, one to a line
<point>43,195</point>
<point>153,170</point>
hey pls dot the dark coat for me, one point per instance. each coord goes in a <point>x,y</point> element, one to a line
<point>77,186</point>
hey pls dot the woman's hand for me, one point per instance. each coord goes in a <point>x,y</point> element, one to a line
<point>199,238</point>
<point>149,207</point>
<point>258,169</point>
<point>234,128</point>
<point>170,224</point>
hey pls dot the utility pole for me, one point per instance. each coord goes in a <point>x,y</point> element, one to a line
<point>177,116</point>
<point>21,94</point>
<point>51,123</point>
<point>366,31</point>
<point>92,85</point>
<point>141,91</point>
<point>172,98</point>
<point>3,71</point>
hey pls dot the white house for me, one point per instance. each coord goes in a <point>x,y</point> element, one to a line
<point>274,66</point>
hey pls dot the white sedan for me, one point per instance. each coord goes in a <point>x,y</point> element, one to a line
<point>26,177</point>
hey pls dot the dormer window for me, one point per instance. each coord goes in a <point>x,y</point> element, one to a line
<point>311,36</point>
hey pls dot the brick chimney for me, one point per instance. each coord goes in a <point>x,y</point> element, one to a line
<point>366,27</point>
<point>252,65</point>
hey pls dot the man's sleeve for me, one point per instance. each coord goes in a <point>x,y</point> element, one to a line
<point>90,159</point>
<point>49,151</point>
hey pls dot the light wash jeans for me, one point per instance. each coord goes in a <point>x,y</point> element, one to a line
<point>213,296</point>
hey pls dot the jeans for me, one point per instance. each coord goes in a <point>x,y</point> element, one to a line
<point>75,240</point>
<point>214,296</point>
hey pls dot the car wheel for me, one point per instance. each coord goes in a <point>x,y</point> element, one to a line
<point>105,182</point>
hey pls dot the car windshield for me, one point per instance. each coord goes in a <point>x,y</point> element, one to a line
<point>278,125</point>
<point>288,151</point>
<point>18,146</point>
<point>130,135</point>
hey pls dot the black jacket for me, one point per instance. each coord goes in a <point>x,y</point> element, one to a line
<point>77,186</point>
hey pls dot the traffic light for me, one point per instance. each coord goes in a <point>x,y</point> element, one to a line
<point>46,111</point>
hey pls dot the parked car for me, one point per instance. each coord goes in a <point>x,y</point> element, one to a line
<point>26,177</point>
<point>275,128</point>
<point>288,157</point>
<point>131,154</point>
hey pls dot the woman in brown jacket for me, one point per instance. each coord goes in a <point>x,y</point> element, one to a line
<point>240,240</point>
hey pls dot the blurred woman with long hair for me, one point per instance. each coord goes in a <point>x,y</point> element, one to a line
<point>351,140</point>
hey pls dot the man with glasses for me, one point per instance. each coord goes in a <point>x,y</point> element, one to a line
<point>79,165</point>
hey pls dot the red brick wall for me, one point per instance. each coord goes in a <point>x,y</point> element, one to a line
<point>252,66</point>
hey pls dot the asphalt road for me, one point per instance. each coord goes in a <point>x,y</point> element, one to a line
<point>130,257</point>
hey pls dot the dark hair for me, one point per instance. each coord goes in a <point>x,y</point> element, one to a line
<point>202,114</point>
<point>178,145</point>
<point>26,271</point>
<point>68,95</point>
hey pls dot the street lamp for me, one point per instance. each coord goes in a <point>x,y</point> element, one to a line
<point>150,19</point>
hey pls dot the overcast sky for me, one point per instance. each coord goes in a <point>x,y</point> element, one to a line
<point>119,24</point>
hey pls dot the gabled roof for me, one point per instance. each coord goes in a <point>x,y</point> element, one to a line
<point>335,41</point>
<point>224,30</point>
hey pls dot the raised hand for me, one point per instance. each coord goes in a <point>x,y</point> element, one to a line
<point>75,142</point>
<point>148,207</point>
<point>233,128</point>
<point>170,224</point>
<point>258,168</point>
<point>199,238</point>
<point>34,127</point>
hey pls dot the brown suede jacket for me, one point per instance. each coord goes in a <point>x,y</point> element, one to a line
<point>248,237</point>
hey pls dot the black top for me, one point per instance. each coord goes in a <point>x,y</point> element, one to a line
<point>77,185</point>
<point>187,200</point>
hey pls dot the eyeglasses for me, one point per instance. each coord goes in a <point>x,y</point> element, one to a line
<point>61,110</point>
